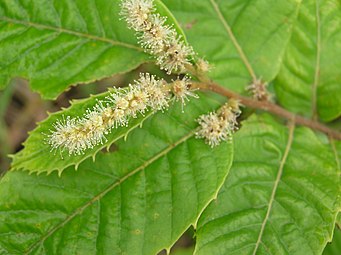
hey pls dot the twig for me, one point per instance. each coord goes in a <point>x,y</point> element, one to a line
<point>269,107</point>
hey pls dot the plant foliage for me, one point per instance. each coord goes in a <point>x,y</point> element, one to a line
<point>272,189</point>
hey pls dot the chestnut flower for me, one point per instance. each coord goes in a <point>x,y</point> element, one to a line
<point>146,94</point>
<point>216,127</point>
<point>157,38</point>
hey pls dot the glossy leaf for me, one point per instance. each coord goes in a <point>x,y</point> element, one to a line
<point>281,196</point>
<point>58,44</point>
<point>260,31</point>
<point>136,200</point>
<point>309,80</point>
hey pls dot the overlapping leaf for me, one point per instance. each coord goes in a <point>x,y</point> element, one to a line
<point>58,44</point>
<point>136,200</point>
<point>260,31</point>
<point>309,80</point>
<point>37,156</point>
<point>281,196</point>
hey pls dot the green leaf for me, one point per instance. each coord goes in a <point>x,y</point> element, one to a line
<point>309,80</point>
<point>36,157</point>
<point>281,196</point>
<point>232,34</point>
<point>136,200</point>
<point>55,44</point>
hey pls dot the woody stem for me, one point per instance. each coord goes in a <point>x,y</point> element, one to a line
<point>268,107</point>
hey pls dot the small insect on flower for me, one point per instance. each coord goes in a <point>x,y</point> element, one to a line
<point>216,127</point>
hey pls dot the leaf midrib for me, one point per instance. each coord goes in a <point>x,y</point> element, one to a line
<point>234,40</point>
<point>274,189</point>
<point>71,32</point>
<point>100,195</point>
<point>318,61</point>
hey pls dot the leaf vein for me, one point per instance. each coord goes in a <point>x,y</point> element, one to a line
<point>71,32</point>
<point>318,60</point>
<point>234,40</point>
<point>277,181</point>
<point>99,196</point>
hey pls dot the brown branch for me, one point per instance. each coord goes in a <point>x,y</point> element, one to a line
<point>269,107</point>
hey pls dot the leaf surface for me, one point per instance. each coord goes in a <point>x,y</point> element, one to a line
<point>221,32</point>
<point>309,80</point>
<point>55,44</point>
<point>136,200</point>
<point>281,196</point>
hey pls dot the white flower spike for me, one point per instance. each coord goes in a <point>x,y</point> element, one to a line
<point>146,94</point>
<point>157,38</point>
<point>216,127</point>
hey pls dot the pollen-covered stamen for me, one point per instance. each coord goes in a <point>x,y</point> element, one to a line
<point>138,101</point>
<point>181,90</point>
<point>95,126</point>
<point>62,133</point>
<point>212,129</point>
<point>203,66</point>
<point>259,91</point>
<point>216,127</point>
<point>78,134</point>
<point>136,13</point>
<point>175,56</point>
<point>157,38</point>
<point>158,92</point>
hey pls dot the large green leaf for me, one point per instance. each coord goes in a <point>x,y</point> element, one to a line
<point>281,196</point>
<point>232,34</point>
<point>136,200</point>
<point>37,156</point>
<point>309,80</point>
<point>55,44</point>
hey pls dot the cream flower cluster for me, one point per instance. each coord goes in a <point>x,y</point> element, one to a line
<point>147,94</point>
<point>155,36</point>
<point>259,91</point>
<point>216,127</point>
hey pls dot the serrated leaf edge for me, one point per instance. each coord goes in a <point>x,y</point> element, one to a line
<point>79,210</point>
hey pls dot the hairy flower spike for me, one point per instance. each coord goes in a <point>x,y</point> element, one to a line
<point>157,38</point>
<point>181,90</point>
<point>136,13</point>
<point>258,89</point>
<point>147,93</point>
<point>216,127</point>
